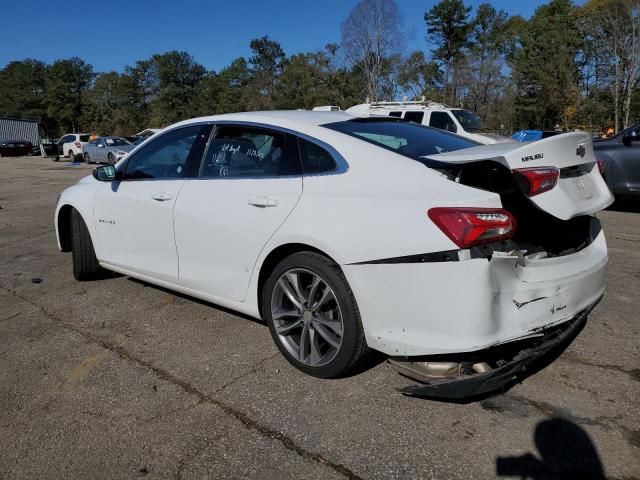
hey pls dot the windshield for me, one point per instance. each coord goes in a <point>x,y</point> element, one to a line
<point>469,121</point>
<point>115,141</point>
<point>406,138</point>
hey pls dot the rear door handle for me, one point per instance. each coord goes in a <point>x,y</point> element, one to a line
<point>263,201</point>
<point>162,196</point>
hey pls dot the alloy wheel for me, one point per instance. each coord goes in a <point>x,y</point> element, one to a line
<point>307,317</point>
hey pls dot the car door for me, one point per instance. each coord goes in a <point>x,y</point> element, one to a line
<point>100,151</point>
<point>249,182</point>
<point>628,162</point>
<point>133,216</point>
<point>64,144</point>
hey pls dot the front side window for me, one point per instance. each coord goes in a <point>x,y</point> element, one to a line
<point>315,159</point>
<point>406,138</point>
<point>443,121</point>
<point>242,151</point>
<point>166,157</point>
<point>469,121</point>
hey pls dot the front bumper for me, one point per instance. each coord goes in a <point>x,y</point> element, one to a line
<point>525,359</point>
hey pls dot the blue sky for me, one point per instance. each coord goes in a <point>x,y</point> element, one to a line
<point>112,34</point>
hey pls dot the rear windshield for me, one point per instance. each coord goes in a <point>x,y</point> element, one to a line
<point>84,138</point>
<point>406,138</point>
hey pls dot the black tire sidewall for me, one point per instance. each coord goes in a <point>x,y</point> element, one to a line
<point>330,273</point>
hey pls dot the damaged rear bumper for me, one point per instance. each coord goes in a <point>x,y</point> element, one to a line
<point>512,362</point>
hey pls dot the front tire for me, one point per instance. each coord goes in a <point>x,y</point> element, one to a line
<point>111,159</point>
<point>87,160</point>
<point>313,316</point>
<point>85,263</point>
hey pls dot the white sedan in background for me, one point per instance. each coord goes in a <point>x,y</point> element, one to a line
<point>106,150</point>
<point>346,234</point>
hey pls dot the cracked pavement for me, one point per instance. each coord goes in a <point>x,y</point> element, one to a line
<point>117,378</point>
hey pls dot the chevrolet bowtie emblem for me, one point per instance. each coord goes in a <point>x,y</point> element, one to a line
<point>580,151</point>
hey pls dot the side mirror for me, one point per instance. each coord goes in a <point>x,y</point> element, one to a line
<point>106,173</point>
<point>630,136</point>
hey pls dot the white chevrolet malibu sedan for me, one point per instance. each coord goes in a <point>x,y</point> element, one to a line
<point>463,263</point>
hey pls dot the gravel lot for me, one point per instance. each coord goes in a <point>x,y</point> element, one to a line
<point>120,379</point>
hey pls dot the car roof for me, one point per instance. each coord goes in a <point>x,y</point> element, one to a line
<point>279,117</point>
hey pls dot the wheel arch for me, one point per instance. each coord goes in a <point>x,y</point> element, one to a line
<point>278,254</point>
<point>63,226</point>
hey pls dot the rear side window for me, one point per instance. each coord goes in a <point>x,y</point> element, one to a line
<point>414,116</point>
<point>443,121</point>
<point>84,138</point>
<point>395,114</point>
<point>250,152</point>
<point>315,159</point>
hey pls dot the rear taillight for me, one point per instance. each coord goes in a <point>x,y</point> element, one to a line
<point>538,179</point>
<point>601,166</point>
<point>473,226</point>
<point>78,144</point>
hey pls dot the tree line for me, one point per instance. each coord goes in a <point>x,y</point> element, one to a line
<point>568,66</point>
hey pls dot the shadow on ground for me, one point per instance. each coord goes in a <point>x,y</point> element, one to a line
<point>631,205</point>
<point>565,450</point>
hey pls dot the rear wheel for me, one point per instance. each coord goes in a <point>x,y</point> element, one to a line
<point>313,316</point>
<point>71,156</point>
<point>85,263</point>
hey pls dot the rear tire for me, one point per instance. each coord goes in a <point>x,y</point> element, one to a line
<point>72,157</point>
<point>336,349</point>
<point>85,263</point>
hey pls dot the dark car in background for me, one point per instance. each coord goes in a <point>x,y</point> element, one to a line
<point>15,148</point>
<point>619,161</point>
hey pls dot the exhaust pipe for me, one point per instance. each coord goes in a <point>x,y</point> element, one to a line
<point>425,371</point>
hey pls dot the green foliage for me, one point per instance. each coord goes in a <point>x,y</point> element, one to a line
<point>65,83</point>
<point>567,66</point>
<point>544,67</point>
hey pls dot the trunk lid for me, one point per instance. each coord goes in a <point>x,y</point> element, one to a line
<point>580,188</point>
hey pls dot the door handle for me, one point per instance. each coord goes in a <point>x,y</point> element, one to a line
<point>263,201</point>
<point>162,196</point>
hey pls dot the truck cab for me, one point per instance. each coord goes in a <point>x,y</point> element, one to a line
<point>437,115</point>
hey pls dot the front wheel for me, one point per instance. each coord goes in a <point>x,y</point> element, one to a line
<point>85,263</point>
<point>111,159</point>
<point>313,316</point>
<point>86,158</point>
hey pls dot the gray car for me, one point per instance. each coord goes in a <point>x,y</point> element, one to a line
<point>619,158</point>
<point>107,150</point>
